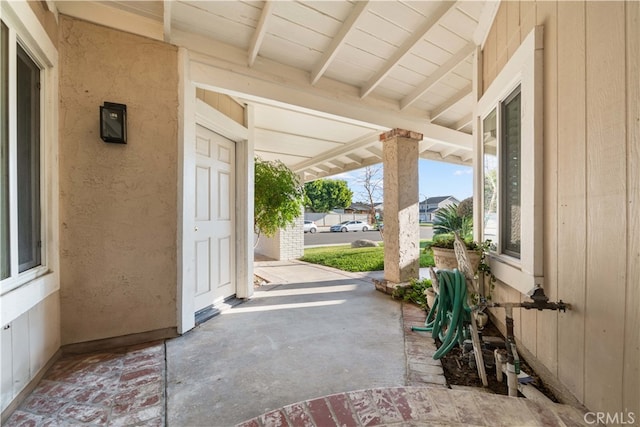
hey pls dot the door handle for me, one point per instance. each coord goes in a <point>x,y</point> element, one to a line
<point>195,228</point>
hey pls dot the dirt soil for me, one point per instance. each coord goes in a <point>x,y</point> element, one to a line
<point>457,369</point>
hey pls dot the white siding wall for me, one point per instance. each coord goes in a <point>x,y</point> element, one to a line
<point>592,195</point>
<point>27,344</point>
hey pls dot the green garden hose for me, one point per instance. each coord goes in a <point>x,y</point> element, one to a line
<point>447,318</point>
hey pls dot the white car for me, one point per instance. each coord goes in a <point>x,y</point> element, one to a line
<point>310,226</point>
<point>345,226</point>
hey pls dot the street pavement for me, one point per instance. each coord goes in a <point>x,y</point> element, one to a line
<point>324,237</point>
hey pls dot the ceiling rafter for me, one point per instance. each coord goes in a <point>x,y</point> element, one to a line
<point>356,158</point>
<point>338,40</point>
<point>268,133</point>
<point>449,103</point>
<point>425,146</point>
<point>406,48</point>
<point>442,71</point>
<point>345,150</point>
<point>447,153</point>
<point>261,30</point>
<point>166,20</point>
<point>281,153</point>
<point>463,122</point>
<point>337,163</point>
<point>375,150</point>
<point>324,168</point>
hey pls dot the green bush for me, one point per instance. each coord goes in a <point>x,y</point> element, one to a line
<point>413,292</point>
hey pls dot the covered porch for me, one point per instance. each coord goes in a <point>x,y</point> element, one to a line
<point>120,244</point>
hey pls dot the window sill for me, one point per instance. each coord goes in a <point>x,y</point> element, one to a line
<point>23,278</point>
<point>509,271</point>
<point>24,295</point>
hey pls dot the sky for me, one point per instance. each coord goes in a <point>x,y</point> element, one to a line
<point>436,179</point>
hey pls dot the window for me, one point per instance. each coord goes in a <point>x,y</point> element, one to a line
<point>28,161</point>
<point>5,252</point>
<point>24,164</point>
<point>26,149</point>
<point>510,145</point>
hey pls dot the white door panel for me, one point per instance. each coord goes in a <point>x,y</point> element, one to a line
<point>214,222</point>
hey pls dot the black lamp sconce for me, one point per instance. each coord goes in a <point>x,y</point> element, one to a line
<point>113,123</point>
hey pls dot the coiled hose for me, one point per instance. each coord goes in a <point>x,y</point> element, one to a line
<point>447,318</point>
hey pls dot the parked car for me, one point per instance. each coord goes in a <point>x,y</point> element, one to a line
<point>345,226</point>
<point>310,226</point>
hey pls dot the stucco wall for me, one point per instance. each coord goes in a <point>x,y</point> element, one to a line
<point>591,195</point>
<point>118,203</point>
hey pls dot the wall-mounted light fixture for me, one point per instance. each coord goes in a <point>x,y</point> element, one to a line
<point>113,123</point>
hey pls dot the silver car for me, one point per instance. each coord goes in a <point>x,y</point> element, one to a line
<point>345,226</point>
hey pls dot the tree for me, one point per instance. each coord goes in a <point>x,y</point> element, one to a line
<point>465,208</point>
<point>278,197</point>
<point>371,180</point>
<point>323,195</point>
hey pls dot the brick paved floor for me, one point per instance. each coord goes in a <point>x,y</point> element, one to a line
<point>418,406</point>
<point>124,387</point>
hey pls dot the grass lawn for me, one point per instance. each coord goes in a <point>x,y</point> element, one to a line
<point>356,259</point>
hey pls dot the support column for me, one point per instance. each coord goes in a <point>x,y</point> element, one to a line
<point>401,222</point>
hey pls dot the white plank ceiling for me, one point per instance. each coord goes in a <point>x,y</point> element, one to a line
<point>327,77</point>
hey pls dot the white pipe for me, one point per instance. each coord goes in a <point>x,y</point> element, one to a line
<point>501,359</point>
<point>512,380</point>
<point>531,392</point>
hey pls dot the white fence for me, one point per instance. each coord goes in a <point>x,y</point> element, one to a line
<point>329,219</point>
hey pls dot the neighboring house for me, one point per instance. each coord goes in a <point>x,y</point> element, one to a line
<point>358,207</point>
<point>364,208</point>
<point>430,206</point>
<point>106,244</point>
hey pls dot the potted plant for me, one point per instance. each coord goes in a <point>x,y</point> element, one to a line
<point>448,221</point>
<point>457,219</point>
<point>444,256</point>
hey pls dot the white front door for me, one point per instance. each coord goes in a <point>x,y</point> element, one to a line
<point>214,232</point>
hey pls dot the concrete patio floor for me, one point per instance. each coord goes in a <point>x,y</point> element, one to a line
<point>315,347</point>
<point>311,332</point>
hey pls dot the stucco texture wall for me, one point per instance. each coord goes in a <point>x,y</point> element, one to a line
<point>118,203</point>
<point>591,196</point>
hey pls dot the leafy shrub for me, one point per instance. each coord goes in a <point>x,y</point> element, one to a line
<point>413,292</point>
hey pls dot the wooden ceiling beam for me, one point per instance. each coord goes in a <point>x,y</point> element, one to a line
<point>166,20</point>
<point>345,150</point>
<point>259,33</point>
<point>406,48</point>
<point>441,73</point>
<point>463,122</point>
<point>338,40</point>
<point>425,146</point>
<point>449,103</point>
<point>375,150</point>
<point>447,153</point>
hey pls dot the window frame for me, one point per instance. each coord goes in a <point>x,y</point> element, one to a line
<point>524,69</point>
<point>22,291</point>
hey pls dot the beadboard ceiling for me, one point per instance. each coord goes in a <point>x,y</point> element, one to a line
<point>325,78</point>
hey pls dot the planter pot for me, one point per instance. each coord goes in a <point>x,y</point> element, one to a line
<point>431,297</point>
<point>446,259</point>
